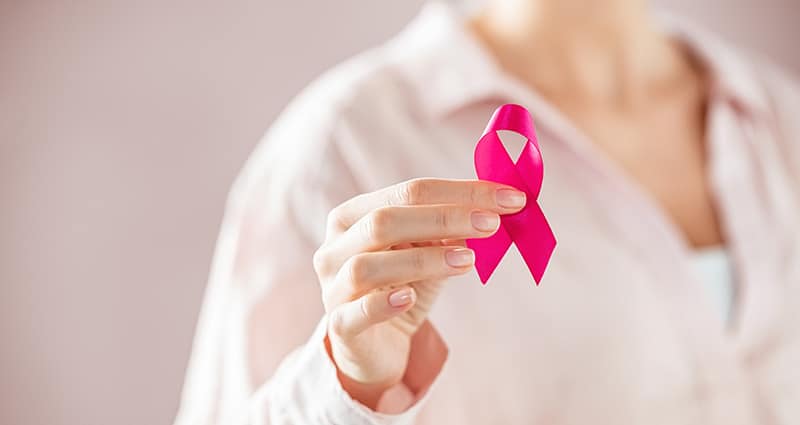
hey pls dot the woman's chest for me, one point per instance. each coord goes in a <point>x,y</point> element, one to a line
<point>596,341</point>
<point>617,331</point>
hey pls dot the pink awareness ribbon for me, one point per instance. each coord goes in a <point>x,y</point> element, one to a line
<point>528,228</point>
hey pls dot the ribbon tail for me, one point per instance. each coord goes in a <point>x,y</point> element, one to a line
<point>534,239</point>
<point>489,251</point>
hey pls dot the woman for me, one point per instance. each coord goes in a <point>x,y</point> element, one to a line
<point>672,184</point>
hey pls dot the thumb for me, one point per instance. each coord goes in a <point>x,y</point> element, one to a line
<point>352,318</point>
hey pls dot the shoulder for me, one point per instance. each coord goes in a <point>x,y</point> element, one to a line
<point>364,84</point>
<point>755,81</point>
<point>782,90</point>
<point>776,102</point>
<point>353,89</point>
<point>766,94</point>
<point>303,161</point>
<point>364,88</point>
<point>769,93</point>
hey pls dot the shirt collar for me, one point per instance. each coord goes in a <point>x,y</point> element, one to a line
<point>450,68</point>
<point>731,74</point>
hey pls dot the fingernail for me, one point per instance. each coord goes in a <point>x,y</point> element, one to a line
<point>485,222</point>
<point>509,198</point>
<point>401,297</point>
<point>459,257</point>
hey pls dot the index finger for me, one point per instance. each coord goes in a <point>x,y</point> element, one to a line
<point>478,194</point>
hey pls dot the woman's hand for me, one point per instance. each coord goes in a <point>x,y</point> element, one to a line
<point>385,257</point>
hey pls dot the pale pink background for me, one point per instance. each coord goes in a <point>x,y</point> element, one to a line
<point>122,125</point>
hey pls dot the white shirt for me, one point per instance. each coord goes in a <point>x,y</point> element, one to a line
<point>620,330</point>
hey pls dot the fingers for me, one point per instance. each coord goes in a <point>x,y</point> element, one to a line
<point>364,273</point>
<point>428,219</point>
<point>390,226</point>
<point>475,194</point>
<point>351,318</point>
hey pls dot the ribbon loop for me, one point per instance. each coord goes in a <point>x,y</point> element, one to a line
<point>528,228</point>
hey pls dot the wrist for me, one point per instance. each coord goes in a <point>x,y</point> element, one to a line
<point>368,394</point>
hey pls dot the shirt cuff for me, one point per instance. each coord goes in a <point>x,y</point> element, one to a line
<point>306,389</point>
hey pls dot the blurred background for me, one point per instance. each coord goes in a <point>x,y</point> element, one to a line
<point>122,125</point>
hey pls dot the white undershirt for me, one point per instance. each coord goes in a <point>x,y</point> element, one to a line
<point>715,269</point>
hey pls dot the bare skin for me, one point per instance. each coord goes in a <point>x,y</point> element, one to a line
<point>379,281</point>
<point>633,92</point>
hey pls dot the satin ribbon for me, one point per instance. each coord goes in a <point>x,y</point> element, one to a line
<point>528,228</point>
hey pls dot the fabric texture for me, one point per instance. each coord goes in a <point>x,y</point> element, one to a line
<point>620,331</point>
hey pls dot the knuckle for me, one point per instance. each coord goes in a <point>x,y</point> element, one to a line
<point>474,194</point>
<point>378,224</point>
<point>415,191</point>
<point>479,194</point>
<point>320,261</point>
<point>334,219</point>
<point>358,271</point>
<point>444,218</point>
<point>419,259</point>
<point>336,322</point>
<point>403,194</point>
<point>327,302</point>
<point>364,308</point>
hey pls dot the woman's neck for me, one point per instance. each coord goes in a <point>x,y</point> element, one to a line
<point>597,51</point>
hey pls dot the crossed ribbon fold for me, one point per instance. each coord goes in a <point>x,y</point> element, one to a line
<point>528,228</point>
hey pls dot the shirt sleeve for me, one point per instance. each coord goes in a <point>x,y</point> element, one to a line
<point>259,355</point>
<point>783,91</point>
<point>305,390</point>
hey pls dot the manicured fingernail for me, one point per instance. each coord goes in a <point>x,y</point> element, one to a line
<point>510,198</point>
<point>401,297</point>
<point>485,222</point>
<point>459,257</point>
